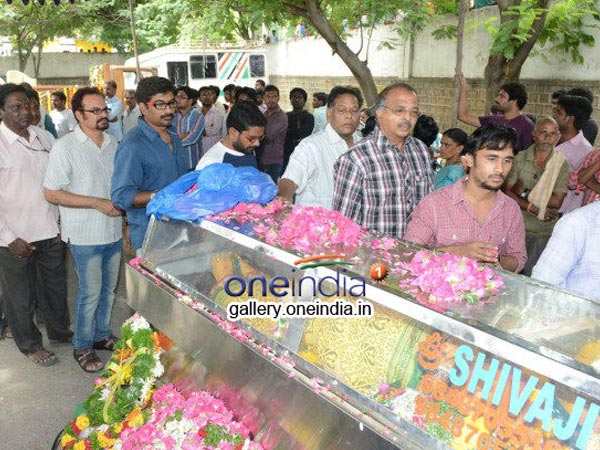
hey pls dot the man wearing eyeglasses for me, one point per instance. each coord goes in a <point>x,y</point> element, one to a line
<point>538,183</point>
<point>245,130</point>
<point>150,157</point>
<point>78,181</point>
<point>309,174</point>
<point>32,256</point>
<point>380,180</point>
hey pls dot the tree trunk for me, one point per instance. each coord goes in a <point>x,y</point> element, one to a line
<point>313,14</point>
<point>500,70</point>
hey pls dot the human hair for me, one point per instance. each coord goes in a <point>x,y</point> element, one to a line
<point>262,82</point>
<point>215,89</point>
<point>189,92</point>
<point>61,95</point>
<point>301,91</point>
<point>271,88</point>
<point>341,90</point>
<point>321,96</point>
<point>558,93</point>
<point>32,94</point>
<point>129,92</point>
<point>229,88</point>
<point>382,97</point>
<point>204,88</point>
<point>457,135</point>
<point>369,126</point>
<point>516,91</point>
<point>248,91</point>
<point>543,120</point>
<point>426,129</point>
<point>77,99</point>
<point>491,136</point>
<point>7,89</point>
<point>582,92</point>
<point>111,83</point>
<point>244,115</point>
<point>150,86</point>
<point>578,107</point>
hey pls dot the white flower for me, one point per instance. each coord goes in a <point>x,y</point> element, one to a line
<point>146,386</point>
<point>158,369</point>
<point>104,393</point>
<point>138,323</point>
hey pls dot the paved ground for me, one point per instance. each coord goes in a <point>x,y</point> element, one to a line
<point>36,402</point>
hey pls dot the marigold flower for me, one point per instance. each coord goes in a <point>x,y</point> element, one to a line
<point>67,440</point>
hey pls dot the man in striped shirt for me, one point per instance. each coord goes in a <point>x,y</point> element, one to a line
<point>78,181</point>
<point>380,180</point>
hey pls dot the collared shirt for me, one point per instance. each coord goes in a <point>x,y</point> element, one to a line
<point>377,185</point>
<point>311,167</point>
<point>24,211</point>
<point>116,112</point>
<point>524,169</point>
<point>275,131</point>
<point>575,150</point>
<point>219,153</point>
<point>522,124</point>
<point>445,218</point>
<point>192,124</point>
<point>64,121</point>
<point>130,118</point>
<point>589,195</point>
<point>320,115</point>
<point>79,166</point>
<point>213,127</point>
<point>144,163</point>
<point>571,259</point>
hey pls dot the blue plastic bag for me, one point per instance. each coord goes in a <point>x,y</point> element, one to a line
<point>216,188</point>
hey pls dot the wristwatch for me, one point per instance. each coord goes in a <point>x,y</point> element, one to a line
<point>524,194</point>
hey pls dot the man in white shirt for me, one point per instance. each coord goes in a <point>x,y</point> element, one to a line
<point>309,174</point>
<point>63,119</point>
<point>115,115</point>
<point>245,130</point>
<point>131,113</point>
<point>319,104</point>
<point>78,181</point>
<point>32,257</point>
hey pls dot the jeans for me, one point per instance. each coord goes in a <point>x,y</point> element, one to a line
<point>40,280</point>
<point>97,268</point>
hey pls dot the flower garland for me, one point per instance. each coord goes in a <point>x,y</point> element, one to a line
<point>122,391</point>
<point>197,422</point>
<point>440,280</point>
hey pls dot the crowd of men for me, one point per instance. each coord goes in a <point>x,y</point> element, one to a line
<point>518,193</point>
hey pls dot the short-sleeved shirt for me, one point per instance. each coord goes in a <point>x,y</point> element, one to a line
<point>522,124</point>
<point>64,121</point>
<point>445,218</point>
<point>220,153</point>
<point>24,211</point>
<point>378,185</point>
<point>524,169</point>
<point>144,163</point>
<point>320,115</point>
<point>116,112</point>
<point>575,150</point>
<point>79,166</point>
<point>571,259</point>
<point>311,167</point>
<point>214,121</point>
<point>449,175</point>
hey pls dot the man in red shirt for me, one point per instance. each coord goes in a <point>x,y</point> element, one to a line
<point>473,217</point>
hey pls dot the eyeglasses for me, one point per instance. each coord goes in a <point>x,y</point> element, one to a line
<point>252,139</point>
<point>403,110</point>
<point>347,112</point>
<point>97,111</point>
<point>162,105</point>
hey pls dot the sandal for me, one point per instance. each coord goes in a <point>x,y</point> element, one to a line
<point>106,344</point>
<point>42,357</point>
<point>88,360</point>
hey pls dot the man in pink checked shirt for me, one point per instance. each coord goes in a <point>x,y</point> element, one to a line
<point>473,217</point>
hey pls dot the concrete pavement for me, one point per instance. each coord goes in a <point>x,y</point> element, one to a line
<point>36,402</point>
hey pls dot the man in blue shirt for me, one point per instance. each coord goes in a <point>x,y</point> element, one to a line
<point>150,156</point>
<point>571,259</point>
